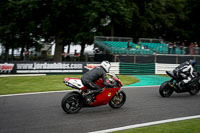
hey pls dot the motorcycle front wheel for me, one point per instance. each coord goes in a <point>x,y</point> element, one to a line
<point>118,100</point>
<point>165,89</point>
<point>194,89</point>
<point>72,102</point>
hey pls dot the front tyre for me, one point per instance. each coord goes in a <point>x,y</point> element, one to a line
<point>72,102</point>
<point>118,100</point>
<point>194,88</point>
<point>165,89</point>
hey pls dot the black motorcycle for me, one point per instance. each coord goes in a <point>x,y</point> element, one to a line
<point>168,87</point>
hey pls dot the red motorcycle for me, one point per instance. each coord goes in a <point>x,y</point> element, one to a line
<point>75,100</point>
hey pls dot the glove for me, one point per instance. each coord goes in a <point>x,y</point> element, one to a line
<point>110,86</point>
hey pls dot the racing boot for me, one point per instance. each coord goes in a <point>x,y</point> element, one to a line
<point>91,96</point>
<point>180,85</point>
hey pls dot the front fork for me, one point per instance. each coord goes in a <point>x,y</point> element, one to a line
<point>117,99</point>
<point>117,93</point>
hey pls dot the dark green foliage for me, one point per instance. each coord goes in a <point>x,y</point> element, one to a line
<point>25,22</point>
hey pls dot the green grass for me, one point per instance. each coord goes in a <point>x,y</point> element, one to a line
<point>127,79</point>
<point>186,126</point>
<point>165,75</point>
<point>15,85</point>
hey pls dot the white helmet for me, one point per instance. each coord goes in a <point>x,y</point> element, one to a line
<point>106,65</point>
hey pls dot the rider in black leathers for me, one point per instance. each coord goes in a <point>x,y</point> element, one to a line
<point>185,71</point>
<point>93,75</point>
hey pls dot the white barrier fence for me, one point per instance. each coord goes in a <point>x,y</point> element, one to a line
<point>160,68</point>
<point>114,67</point>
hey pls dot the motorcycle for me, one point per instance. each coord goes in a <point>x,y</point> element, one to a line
<point>75,100</point>
<point>168,87</point>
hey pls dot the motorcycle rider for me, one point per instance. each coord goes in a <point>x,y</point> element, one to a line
<point>185,72</point>
<point>93,75</point>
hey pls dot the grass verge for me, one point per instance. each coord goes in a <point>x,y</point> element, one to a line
<point>186,126</point>
<point>15,85</point>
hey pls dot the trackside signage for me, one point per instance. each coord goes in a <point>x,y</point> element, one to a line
<point>52,67</point>
<point>49,67</point>
<point>7,68</point>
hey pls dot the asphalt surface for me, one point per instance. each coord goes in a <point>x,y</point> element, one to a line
<point>42,113</point>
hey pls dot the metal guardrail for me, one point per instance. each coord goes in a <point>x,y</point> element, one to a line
<point>156,58</point>
<point>106,38</point>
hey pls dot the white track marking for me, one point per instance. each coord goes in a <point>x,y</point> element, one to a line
<point>146,124</point>
<point>34,93</point>
<point>17,75</point>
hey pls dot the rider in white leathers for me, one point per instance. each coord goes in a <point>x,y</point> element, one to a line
<point>185,71</point>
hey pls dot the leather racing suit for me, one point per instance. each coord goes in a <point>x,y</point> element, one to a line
<point>184,71</point>
<point>93,75</point>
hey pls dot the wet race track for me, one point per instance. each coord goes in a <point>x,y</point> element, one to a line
<point>42,113</point>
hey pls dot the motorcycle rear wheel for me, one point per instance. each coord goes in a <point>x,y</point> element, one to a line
<point>165,89</point>
<point>118,100</point>
<point>72,103</point>
<point>194,89</point>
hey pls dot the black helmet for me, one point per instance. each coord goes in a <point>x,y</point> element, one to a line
<point>192,62</point>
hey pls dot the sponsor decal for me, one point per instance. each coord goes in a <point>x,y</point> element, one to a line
<point>6,68</point>
<point>45,66</point>
<point>109,94</point>
<point>49,67</point>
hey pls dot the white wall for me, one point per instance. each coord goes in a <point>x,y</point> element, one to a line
<point>160,68</point>
<point>88,49</point>
<point>114,67</point>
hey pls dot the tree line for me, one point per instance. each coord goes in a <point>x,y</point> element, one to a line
<point>24,23</point>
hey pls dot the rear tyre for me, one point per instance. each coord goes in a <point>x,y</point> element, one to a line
<point>72,103</point>
<point>165,89</point>
<point>194,88</point>
<point>118,100</point>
